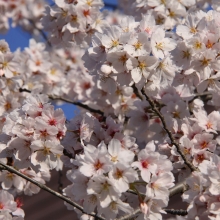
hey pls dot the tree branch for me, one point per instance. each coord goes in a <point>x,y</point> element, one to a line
<point>60,184</point>
<point>71,102</point>
<point>176,212</point>
<point>130,216</point>
<point>78,104</point>
<point>173,142</point>
<point>136,92</point>
<point>203,95</point>
<point>41,32</point>
<point>178,188</point>
<point>44,187</point>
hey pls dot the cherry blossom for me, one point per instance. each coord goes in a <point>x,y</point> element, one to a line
<point>145,79</point>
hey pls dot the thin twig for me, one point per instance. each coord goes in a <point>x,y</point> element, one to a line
<point>67,153</point>
<point>41,32</point>
<point>178,188</point>
<point>204,94</point>
<point>173,142</point>
<point>71,102</point>
<point>181,212</point>
<point>96,111</point>
<point>44,187</point>
<point>136,92</point>
<point>60,184</point>
<point>130,216</point>
<point>131,191</point>
<point>174,190</point>
<point>170,211</point>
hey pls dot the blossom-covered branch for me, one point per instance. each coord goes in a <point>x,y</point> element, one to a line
<point>145,119</point>
<point>44,187</point>
<point>69,101</point>
<point>96,111</point>
<point>43,34</point>
<point>173,142</point>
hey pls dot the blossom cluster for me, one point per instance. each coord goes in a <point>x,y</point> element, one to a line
<point>73,22</point>
<point>10,208</point>
<point>166,12</point>
<point>191,53</point>
<point>24,13</point>
<point>30,142</point>
<point>203,193</point>
<point>126,153</point>
<point>106,170</point>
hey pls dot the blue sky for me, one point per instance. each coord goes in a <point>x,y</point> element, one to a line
<point>16,38</point>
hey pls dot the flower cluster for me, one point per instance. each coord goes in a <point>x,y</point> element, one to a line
<point>73,22</point>
<point>10,208</point>
<point>203,194</point>
<point>30,142</point>
<point>37,127</point>
<point>104,174</point>
<point>148,87</point>
<point>107,171</point>
<point>168,13</point>
<point>25,13</point>
<point>126,49</point>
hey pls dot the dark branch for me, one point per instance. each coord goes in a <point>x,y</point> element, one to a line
<point>176,212</point>
<point>60,184</point>
<point>71,102</point>
<point>67,153</point>
<point>135,213</point>
<point>44,187</point>
<point>24,90</point>
<point>205,96</point>
<point>173,142</point>
<point>78,104</point>
<point>136,92</point>
<point>178,188</point>
<point>173,191</point>
<point>42,33</point>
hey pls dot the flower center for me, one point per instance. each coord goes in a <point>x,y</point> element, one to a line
<point>209,125</point>
<point>209,44</point>
<point>204,144</point>
<point>197,45</point>
<point>52,122</point>
<point>115,43</point>
<point>1,206</point>
<point>119,174</point>
<point>193,30</point>
<point>186,54</point>
<point>205,62</point>
<point>98,165</point>
<point>144,164</point>
<point>123,58</point>
<point>7,106</point>
<point>138,45</point>
<point>142,65</point>
<point>86,13</point>
<point>159,46</point>
<point>46,151</point>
